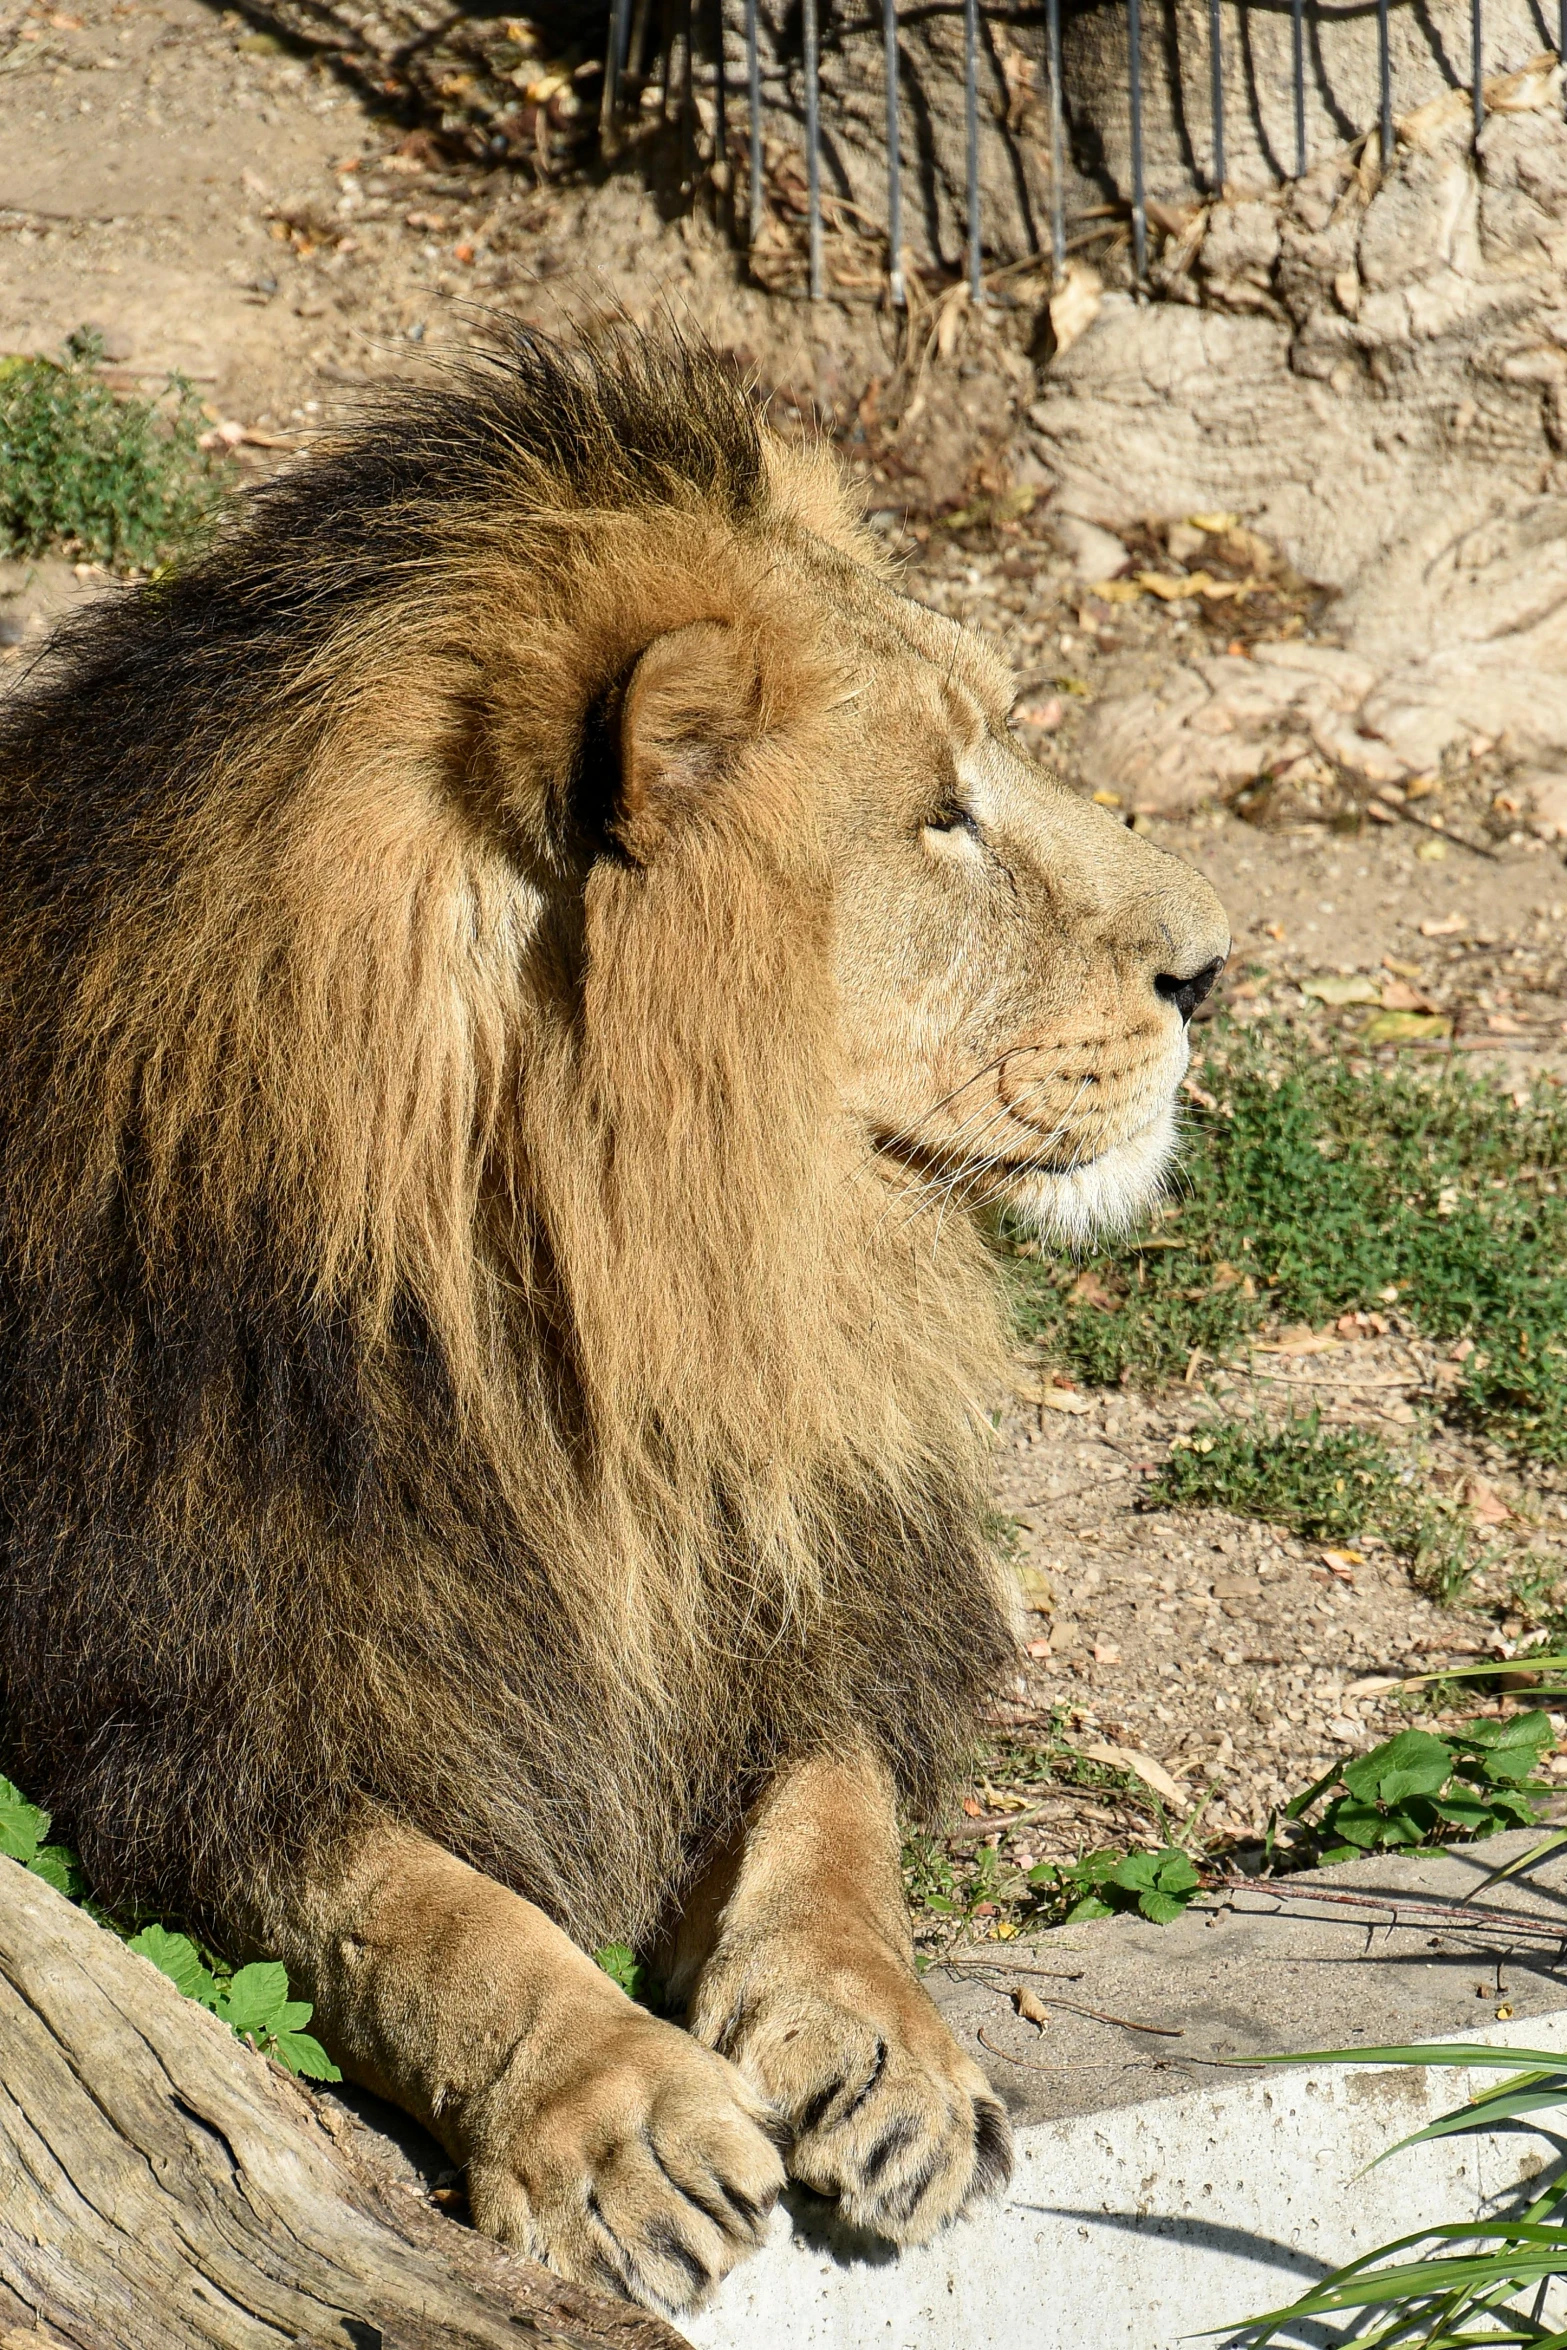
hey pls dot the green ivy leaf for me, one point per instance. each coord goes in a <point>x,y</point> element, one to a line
<point>1089,1907</point>
<point>176,1956</point>
<point>303,2055</point>
<point>619,1961</point>
<point>1413,1763</point>
<point>58,1866</point>
<point>1163,1908</point>
<point>23,1827</point>
<point>256,1997</point>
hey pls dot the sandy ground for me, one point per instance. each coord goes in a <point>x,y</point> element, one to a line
<point>214,204</point>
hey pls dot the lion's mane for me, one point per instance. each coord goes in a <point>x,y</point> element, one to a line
<point>454,1353</point>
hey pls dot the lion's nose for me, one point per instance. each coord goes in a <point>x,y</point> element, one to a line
<point>1187,994</point>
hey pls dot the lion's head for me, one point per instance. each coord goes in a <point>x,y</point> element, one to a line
<point>511,962</point>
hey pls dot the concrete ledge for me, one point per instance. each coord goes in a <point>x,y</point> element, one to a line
<point>1146,2208</point>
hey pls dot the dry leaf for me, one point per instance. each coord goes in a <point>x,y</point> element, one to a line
<point>1075,304</point>
<point>1030,2006</point>
<point>1037,1589</point>
<point>1065,1399</point>
<point>1300,1339</point>
<point>1406,1027</point>
<point>1332,987</point>
<point>1398,996</point>
<point>1131,1758</point>
<point>1106,1653</point>
<point>1091,1291</point>
<point>1486,1505</point>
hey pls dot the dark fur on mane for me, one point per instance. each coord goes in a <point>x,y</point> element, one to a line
<point>318,1484</point>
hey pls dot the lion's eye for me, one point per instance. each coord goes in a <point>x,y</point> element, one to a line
<point>953,818</point>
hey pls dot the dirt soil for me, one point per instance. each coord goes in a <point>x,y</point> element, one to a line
<point>216,205</point>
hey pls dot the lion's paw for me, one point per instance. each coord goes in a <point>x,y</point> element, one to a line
<point>650,2166</point>
<point>885,2111</point>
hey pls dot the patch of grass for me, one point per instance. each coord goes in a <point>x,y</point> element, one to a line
<point>1313,1191</point>
<point>1325,1484</point>
<point>86,474</point>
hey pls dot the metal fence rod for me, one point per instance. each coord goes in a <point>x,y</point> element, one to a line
<point>813,145</point>
<point>889,23</point>
<point>1385,81</point>
<point>1134,43</point>
<point>1216,89</point>
<point>1298,48</point>
<point>1477,74</point>
<point>971,140</point>
<point>720,93</point>
<point>1058,140</point>
<point>686,33</point>
<point>614,68</point>
<point>753,85</point>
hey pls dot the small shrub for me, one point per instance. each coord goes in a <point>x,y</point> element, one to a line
<point>107,480</point>
<point>1417,1789</point>
<point>1325,1484</point>
<point>1158,1884</point>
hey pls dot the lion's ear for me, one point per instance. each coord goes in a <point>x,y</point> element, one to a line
<point>691,704</point>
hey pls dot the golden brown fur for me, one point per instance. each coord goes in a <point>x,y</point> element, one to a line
<point>497,1012</point>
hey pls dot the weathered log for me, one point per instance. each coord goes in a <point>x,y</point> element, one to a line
<point>162,2187</point>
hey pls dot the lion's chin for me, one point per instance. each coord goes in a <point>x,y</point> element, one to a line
<point>1105,1196</point>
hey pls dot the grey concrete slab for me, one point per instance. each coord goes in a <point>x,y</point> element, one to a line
<point>1163,2187</point>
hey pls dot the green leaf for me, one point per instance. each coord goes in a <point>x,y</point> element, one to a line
<point>1360,1824</point>
<point>1413,1763</point>
<point>58,1866</point>
<point>619,1961</point>
<point>256,1997</point>
<point>23,1826</point>
<point>176,1956</point>
<point>1089,1907</point>
<point>1163,1908</point>
<point>303,2055</point>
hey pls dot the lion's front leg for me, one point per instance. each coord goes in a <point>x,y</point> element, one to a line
<point>797,1959</point>
<point>611,2145</point>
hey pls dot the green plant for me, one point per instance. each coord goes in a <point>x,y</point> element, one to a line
<point>623,1966</point>
<point>1459,2291</point>
<point>85,473</point>
<point>253,2001</point>
<point>1316,1189</point>
<point>1416,1788</point>
<point>1326,1484</point>
<point>1159,1884</point>
<point>24,1832</point>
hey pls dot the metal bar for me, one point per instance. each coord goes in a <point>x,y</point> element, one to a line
<point>1216,89</point>
<point>1385,82</point>
<point>1058,139</point>
<point>720,93</point>
<point>1298,50</point>
<point>895,285</point>
<point>971,142</point>
<point>753,84</point>
<point>1476,69</point>
<point>1134,72</point>
<point>686,23</point>
<point>614,68</point>
<point>813,145</point>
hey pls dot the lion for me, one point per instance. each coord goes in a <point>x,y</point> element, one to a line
<point>519,962</point>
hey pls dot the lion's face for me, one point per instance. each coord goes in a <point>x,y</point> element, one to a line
<point>1016,967</point>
